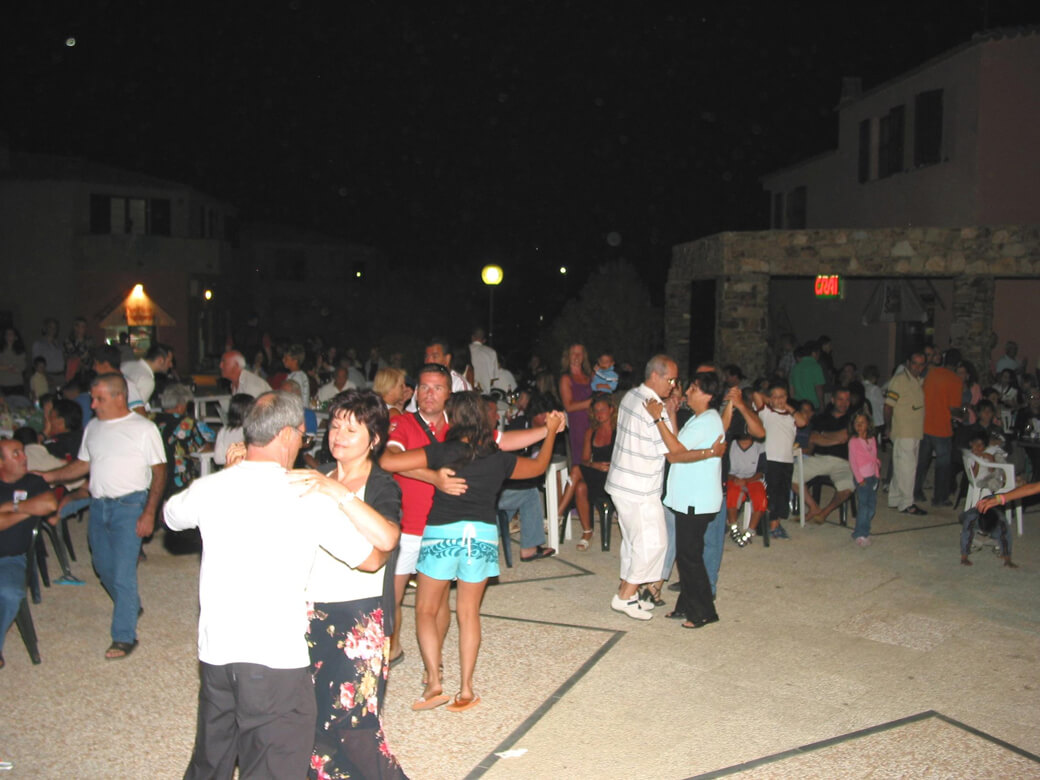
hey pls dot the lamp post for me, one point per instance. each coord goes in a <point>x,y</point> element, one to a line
<point>491,275</point>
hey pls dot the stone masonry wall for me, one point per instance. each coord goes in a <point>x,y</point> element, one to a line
<point>744,262</point>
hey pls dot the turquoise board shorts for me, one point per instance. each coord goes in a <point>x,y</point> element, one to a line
<point>464,550</point>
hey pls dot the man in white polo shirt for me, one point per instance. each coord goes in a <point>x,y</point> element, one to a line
<point>634,484</point>
<point>260,537</point>
<point>123,452</point>
<point>233,369</point>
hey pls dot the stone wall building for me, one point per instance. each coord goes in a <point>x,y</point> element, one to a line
<point>932,198</point>
<point>731,277</point>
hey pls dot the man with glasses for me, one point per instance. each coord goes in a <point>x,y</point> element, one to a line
<point>904,421</point>
<point>634,484</point>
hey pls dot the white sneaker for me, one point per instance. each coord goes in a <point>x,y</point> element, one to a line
<point>630,608</point>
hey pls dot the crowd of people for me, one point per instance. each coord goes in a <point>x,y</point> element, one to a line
<point>312,533</point>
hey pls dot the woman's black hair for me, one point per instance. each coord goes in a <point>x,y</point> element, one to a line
<point>709,383</point>
<point>368,409</point>
<point>467,415</point>
<point>237,409</point>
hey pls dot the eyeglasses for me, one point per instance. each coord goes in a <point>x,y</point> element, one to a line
<point>673,381</point>
<point>306,439</point>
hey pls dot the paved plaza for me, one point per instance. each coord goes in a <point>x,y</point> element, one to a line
<point>829,661</point>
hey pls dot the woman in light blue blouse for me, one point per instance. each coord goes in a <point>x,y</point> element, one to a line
<point>694,493</point>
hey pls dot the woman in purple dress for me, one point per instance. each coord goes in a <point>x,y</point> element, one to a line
<point>576,395</point>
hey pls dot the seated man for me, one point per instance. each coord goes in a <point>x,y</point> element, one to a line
<point>233,369</point>
<point>182,435</point>
<point>830,458</point>
<point>340,382</point>
<point>522,496</point>
<point>23,496</point>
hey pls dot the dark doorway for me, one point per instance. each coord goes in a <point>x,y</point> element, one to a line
<point>702,322</point>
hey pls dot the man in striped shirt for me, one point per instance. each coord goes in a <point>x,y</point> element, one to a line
<point>634,484</point>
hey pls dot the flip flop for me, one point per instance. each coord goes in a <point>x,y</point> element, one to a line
<point>123,649</point>
<point>396,659</point>
<point>432,703</point>
<point>461,705</point>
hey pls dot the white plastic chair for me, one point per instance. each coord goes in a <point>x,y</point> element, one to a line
<point>554,488</point>
<point>976,493</point>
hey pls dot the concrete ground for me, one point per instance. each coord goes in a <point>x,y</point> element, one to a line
<point>829,661</point>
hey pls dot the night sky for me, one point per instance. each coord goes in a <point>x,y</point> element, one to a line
<point>530,134</point>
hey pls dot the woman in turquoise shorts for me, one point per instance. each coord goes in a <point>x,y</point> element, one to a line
<point>461,537</point>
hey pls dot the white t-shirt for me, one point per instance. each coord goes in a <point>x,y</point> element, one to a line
<point>302,381</point>
<point>744,463</point>
<point>780,432</point>
<point>329,391</point>
<point>260,539</point>
<point>140,374</point>
<point>250,384</point>
<point>121,454</point>
<point>485,364</point>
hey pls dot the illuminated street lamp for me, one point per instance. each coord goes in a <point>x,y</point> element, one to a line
<point>491,275</point>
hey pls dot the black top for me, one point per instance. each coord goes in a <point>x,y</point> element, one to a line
<point>484,477</point>
<point>826,422</point>
<point>604,453</point>
<point>16,539</point>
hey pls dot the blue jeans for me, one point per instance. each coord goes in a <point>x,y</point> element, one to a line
<point>12,591</point>
<point>866,503</point>
<point>115,546</point>
<point>942,446</point>
<point>74,506</point>
<point>714,536</point>
<point>669,555</point>
<point>528,502</point>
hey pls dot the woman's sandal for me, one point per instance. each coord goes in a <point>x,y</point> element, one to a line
<point>586,540</point>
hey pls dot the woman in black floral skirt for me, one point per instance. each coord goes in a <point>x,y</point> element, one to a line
<point>349,633</point>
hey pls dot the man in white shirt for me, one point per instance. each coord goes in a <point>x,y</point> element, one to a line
<point>256,699</point>
<point>484,361</point>
<point>124,454</point>
<point>233,369</point>
<point>141,373</point>
<point>108,360</point>
<point>1009,360</point>
<point>340,382</point>
<point>634,484</point>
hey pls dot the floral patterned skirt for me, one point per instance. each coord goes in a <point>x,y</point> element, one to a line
<point>349,654</point>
